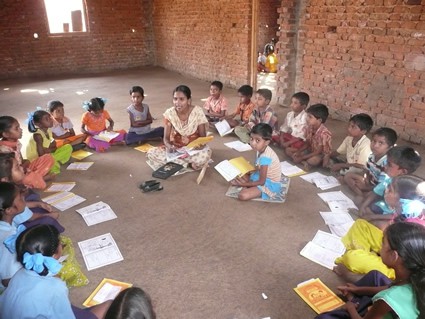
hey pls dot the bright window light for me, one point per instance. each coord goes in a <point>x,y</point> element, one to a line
<point>65,16</point>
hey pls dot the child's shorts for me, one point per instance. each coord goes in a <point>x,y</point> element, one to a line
<point>298,144</point>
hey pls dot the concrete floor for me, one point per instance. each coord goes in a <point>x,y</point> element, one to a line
<point>198,253</point>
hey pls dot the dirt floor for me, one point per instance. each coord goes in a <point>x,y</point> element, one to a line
<point>198,253</point>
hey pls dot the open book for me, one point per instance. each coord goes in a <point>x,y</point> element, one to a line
<point>108,289</point>
<point>318,296</point>
<point>236,167</point>
<point>223,128</point>
<point>106,136</point>
<point>324,249</point>
<point>189,149</point>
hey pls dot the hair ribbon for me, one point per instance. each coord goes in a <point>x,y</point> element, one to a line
<point>37,262</point>
<point>10,242</point>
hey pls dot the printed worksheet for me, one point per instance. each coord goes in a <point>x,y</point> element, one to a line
<point>80,166</point>
<point>337,201</point>
<point>61,187</point>
<point>97,213</point>
<point>63,200</point>
<point>100,251</point>
<point>238,146</point>
<point>290,170</point>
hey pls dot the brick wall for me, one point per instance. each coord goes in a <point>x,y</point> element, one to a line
<point>111,44</point>
<point>206,39</point>
<point>358,56</point>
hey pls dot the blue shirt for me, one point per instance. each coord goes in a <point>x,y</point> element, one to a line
<point>30,295</point>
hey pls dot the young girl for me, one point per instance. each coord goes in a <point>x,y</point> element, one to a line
<point>265,181</point>
<point>364,239</point>
<point>42,142</point>
<point>93,123</point>
<point>36,171</point>
<point>35,291</point>
<point>131,303</point>
<point>63,130</point>
<point>403,249</point>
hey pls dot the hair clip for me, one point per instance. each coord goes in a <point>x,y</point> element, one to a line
<point>10,242</point>
<point>37,262</point>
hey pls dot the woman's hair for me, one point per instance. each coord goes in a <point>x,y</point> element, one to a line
<point>408,240</point>
<point>131,303</point>
<point>138,89</point>
<point>6,165</point>
<point>6,123</point>
<point>35,118</point>
<point>8,193</point>
<point>43,239</point>
<point>264,130</point>
<point>185,90</point>
<point>53,105</point>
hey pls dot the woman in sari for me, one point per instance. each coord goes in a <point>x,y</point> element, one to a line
<point>183,124</point>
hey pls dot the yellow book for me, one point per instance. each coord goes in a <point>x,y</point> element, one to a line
<point>199,141</point>
<point>144,147</point>
<point>236,167</point>
<point>81,154</point>
<point>318,296</point>
<point>108,289</point>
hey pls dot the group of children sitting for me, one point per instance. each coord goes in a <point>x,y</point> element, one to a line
<point>377,171</point>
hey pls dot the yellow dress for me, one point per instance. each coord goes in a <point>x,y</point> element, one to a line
<point>271,63</point>
<point>363,243</point>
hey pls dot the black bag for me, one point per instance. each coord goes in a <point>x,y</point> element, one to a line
<point>167,170</point>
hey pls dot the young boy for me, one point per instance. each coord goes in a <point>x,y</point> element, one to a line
<point>244,109</point>
<point>292,131</point>
<point>352,154</point>
<point>317,148</point>
<point>63,129</point>
<point>216,104</point>
<point>262,113</point>
<point>140,120</point>
<point>383,139</point>
<point>402,160</point>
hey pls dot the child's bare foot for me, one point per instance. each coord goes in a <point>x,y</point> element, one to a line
<point>345,273</point>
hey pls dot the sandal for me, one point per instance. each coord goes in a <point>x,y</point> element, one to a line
<point>153,187</point>
<point>147,183</point>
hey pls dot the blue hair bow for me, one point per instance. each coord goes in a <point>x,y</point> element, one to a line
<point>104,100</point>
<point>37,262</point>
<point>31,114</point>
<point>86,105</point>
<point>10,242</point>
<point>411,208</point>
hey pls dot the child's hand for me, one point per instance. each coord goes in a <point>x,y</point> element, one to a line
<point>54,215</point>
<point>238,181</point>
<point>351,306</point>
<point>45,206</point>
<point>337,167</point>
<point>347,290</point>
<point>109,128</point>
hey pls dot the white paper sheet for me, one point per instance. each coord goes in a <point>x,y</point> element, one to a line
<point>63,200</point>
<point>336,218</point>
<point>341,229</point>
<point>80,166</point>
<point>227,170</point>
<point>100,251</point>
<point>61,187</point>
<point>311,176</point>
<point>290,170</point>
<point>326,182</point>
<point>107,292</point>
<point>337,201</point>
<point>97,213</point>
<point>239,146</point>
<point>223,128</point>
<point>320,255</point>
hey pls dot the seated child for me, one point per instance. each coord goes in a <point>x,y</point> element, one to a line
<point>292,131</point>
<point>216,104</point>
<point>261,62</point>
<point>140,120</point>
<point>364,239</point>
<point>375,296</point>
<point>37,171</point>
<point>383,139</point>
<point>262,113</point>
<point>317,148</point>
<point>401,160</point>
<point>132,302</point>
<point>351,156</point>
<point>35,291</point>
<point>40,123</point>
<point>93,123</point>
<point>244,109</point>
<point>265,181</point>
<point>63,129</point>
<point>271,62</point>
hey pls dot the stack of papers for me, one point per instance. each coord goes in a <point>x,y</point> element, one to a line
<point>324,249</point>
<point>97,213</point>
<point>323,182</point>
<point>290,170</point>
<point>223,128</point>
<point>337,201</point>
<point>338,222</point>
<point>100,251</point>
